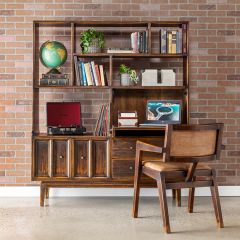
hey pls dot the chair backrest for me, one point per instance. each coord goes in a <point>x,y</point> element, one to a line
<point>193,143</point>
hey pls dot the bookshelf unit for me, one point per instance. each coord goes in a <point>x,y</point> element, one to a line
<point>96,161</point>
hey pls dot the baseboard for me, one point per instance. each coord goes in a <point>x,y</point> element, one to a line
<point>106,192</point>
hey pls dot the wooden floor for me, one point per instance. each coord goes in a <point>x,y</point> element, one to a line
<point>110,219</point>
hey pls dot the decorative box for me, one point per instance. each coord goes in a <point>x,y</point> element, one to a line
<point>127,119</point>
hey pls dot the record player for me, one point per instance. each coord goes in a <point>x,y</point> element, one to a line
<point>64,118</point>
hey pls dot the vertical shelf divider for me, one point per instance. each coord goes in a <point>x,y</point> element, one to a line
<point>73,47</point>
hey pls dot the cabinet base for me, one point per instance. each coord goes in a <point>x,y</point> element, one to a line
<point>45,186</point>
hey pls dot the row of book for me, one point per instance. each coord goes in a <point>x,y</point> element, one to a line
<point>139,42</point>
<point>101,128</point>
<point>171,41</point>
<point>89,73</point>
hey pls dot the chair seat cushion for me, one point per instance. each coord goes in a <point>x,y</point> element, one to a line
<point>172,166</point>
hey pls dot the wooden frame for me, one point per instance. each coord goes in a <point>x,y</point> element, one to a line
<point>120,99</point>
<point>191,178</point>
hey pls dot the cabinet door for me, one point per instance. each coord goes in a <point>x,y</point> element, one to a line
<point>81,159</point>
<point>60,158</point>
<point>100,159</point>
<point>41,158</point>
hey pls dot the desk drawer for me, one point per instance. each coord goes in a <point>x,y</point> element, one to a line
<point>126,148</point>
<point>123,168</point>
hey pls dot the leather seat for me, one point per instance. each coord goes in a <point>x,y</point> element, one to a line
<point>172,166</point>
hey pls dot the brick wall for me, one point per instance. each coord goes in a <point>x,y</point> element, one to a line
<point>214,68</point>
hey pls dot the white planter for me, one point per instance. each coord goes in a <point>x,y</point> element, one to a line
<point>125,79</point>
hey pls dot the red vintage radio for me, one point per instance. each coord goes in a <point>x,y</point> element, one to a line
<point>64,118</point>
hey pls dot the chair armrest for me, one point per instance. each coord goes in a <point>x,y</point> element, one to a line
<point>146,147</point>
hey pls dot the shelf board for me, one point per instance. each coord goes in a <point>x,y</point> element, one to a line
<point>150,128</point>
<point>150,87</point>
<point>131,55</point>
<point>112,23</point>
<point>115,87</point>
<point>72,87</point>
<point>87,135</point>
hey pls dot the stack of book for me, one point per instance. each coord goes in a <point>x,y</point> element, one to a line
<point>101,128</point>
<point>170,41</point>
<point>120,50</point>
<point>89,73</point>
<point>139,42</point>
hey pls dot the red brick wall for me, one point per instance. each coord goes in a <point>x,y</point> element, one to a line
<point>214,68</point>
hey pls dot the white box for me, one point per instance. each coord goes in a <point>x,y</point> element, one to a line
<point>155,77</point>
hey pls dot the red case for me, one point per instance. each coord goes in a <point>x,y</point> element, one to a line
<point>63,114</point>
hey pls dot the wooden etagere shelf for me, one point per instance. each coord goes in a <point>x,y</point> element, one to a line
<point>96,161</point>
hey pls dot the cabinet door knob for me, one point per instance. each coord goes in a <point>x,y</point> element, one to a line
<point>82,157</point>
<point>60,156</point>
<point>131,168</point>
<point>131,148</point>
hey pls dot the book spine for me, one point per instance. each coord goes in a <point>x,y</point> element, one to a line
<point>97,123</point>
<point>138,42</point>
<point>177,42</point>
<point>80,73</point>
<point>184,39</point>
<point>169,42</point>
<point>88,74</point>
<point>77,80</point>
<point>98,75</point>
<point>146,44</point>
<point>132,41</point>
<point>94,74</point>
<point>84,74</point>
<point>163,41</point>
<point>174,42</point>
<point>102,75</point>
<point>141,42</point>
<point>180,40</point>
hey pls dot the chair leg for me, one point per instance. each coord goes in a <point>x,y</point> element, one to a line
<point>216,202</point>
<point>163,203</point>
<point>47,193</point>
<point>137,179</point>
<point>174,194</point>
<point>191,199</point>
<point>178,199</point>
<point>42,194</point>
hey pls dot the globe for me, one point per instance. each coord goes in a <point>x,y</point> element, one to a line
<point>53,54</point>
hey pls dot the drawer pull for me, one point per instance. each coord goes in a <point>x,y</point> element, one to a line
<point>61,157</point>
<point>131,148</point>
<point>131,168</point>
<point>82,157</point>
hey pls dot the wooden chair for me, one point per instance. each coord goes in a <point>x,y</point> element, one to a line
<point>185,146</point>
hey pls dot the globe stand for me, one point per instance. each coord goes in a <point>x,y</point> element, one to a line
<point>53,71</point>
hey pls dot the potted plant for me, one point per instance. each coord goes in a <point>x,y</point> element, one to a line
<point>92,41</point>
<point>128,75</point>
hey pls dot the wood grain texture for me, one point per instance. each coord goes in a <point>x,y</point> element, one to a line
<point>81,159</point>
<point>41,159</point>
<point>177,175</point>
<point>60,158</point>
<point>99,158</point>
